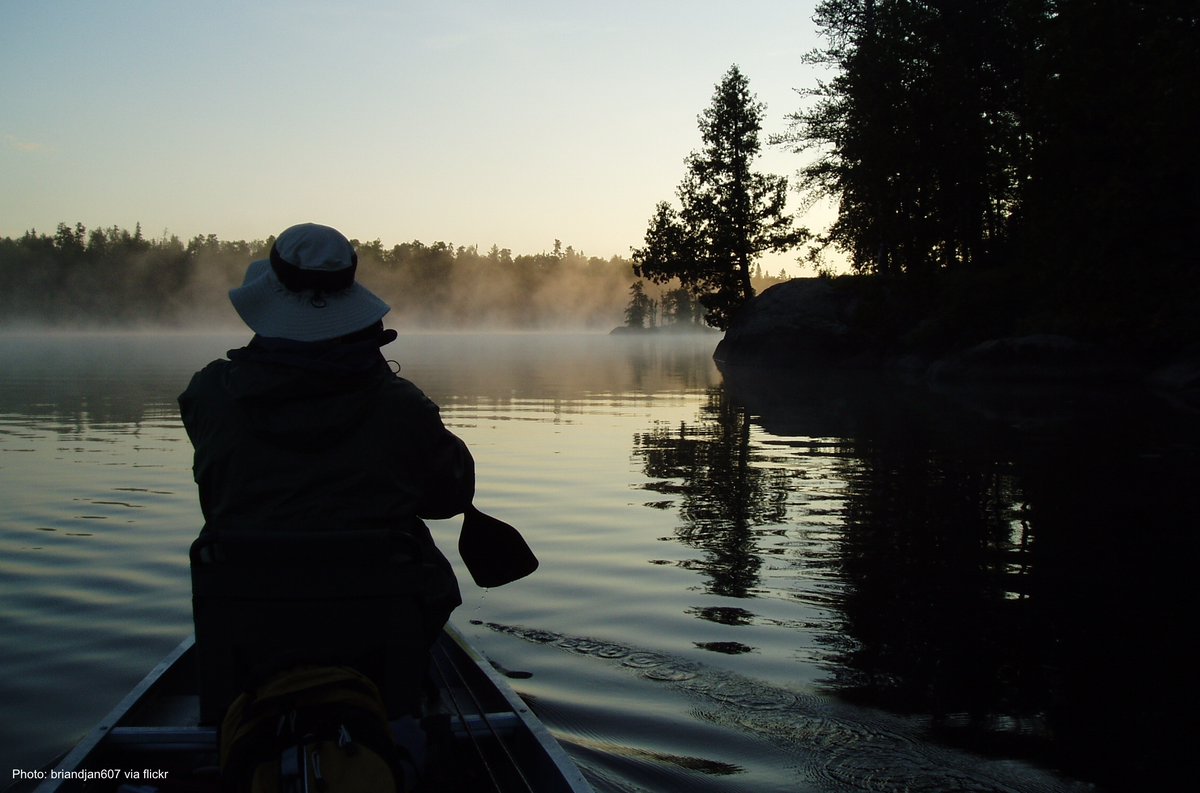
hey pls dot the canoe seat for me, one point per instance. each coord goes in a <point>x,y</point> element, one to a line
<point>264,601</point>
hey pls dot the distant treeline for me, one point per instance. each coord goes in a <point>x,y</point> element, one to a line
<point>77,277</point>
<point>112,276</point>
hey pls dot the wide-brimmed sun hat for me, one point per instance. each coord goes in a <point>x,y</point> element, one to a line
<point>306,290</point>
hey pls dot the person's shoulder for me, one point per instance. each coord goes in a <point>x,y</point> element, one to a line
<point>203,395</point>
<point>213,370</point>
<point>211,374</point>
<point>219,365</point>
<point>405,391</point>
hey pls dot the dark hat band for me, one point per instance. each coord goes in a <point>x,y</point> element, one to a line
<point>298,279</point>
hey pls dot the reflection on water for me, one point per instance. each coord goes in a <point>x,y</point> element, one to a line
<point>723,495</point>
<point>749,582</point>
<point>1012,566</point>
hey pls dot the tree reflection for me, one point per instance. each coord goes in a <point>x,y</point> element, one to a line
<point>1010,566</point>
<point>931,552</point>
<point>723,495</point>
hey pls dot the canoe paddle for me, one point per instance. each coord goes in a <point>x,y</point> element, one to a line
<point>494,552</point>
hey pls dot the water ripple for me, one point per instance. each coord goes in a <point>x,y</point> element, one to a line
<point>842,747</point>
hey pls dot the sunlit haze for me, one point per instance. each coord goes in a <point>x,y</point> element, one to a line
<point>472,123</point>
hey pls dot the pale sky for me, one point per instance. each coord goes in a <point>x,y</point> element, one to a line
<point>473,123</point>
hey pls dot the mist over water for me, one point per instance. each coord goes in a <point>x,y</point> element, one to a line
<point>114,279</point>
<point>748,582</point>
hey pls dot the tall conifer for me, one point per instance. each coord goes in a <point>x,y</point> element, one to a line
<point>729,213</point>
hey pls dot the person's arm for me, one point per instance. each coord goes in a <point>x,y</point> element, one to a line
<point>437,460</point>
<point>449,480</point>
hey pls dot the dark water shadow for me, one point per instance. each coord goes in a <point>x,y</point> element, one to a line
<point>1015,562</point>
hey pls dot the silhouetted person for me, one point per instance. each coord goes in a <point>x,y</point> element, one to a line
<point>307,428</point>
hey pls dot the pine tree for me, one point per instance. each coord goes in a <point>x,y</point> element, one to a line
<point>638,308</point>
<point>729,213</point>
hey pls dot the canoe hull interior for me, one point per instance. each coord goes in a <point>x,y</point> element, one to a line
<point>478,735</point>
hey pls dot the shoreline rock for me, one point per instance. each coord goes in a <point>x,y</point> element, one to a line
<point>798,322</point>
<point>810,323</point>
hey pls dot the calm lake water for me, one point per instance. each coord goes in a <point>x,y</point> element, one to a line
<point>809,583</point>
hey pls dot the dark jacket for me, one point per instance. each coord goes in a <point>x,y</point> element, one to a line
<point>319,436</point>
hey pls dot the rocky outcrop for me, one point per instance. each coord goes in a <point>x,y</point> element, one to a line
<point>798,322</point>
<point>811,323</point>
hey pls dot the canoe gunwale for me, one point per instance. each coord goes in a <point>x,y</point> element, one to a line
<point>75,758</point>
<point>509,720</point>
<point>554,751</point>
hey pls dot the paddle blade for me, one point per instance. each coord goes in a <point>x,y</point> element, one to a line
<point>495,553</point>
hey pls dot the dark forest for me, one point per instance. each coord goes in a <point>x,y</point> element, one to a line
<point>1011,166</point>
